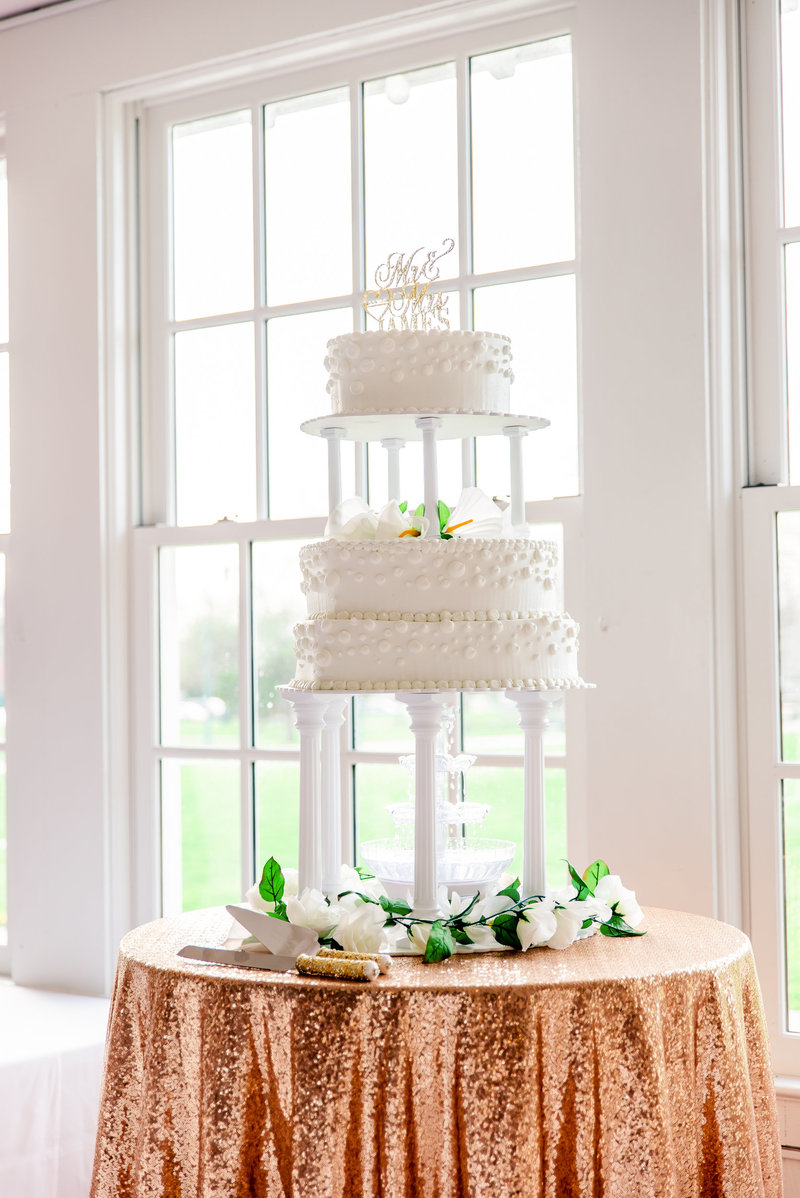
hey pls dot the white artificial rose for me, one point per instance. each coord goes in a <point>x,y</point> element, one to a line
<point>481,935</point>
<point>418,934</point>
<point>609,890</point>
<point>350,879</point>
<point>568,924</point>
<point>361,930</point>
<point>537,924</point>
<point>312,910</point>
<point>253,899</point>
<point>490,906</point>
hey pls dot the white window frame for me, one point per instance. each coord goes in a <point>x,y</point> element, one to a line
<point>761,502</point>
<point>5,541</point>
<point>158,529</point>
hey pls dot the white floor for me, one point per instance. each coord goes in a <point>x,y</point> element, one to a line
<point>51,1062</point>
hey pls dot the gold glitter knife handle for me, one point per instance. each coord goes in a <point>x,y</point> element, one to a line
<point>340,967</point>
<point>382,960</point>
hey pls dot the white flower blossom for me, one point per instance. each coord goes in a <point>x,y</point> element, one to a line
<point>418,934</point>
<point>610,891</point>
<point>481,935</point>
<point>568,924</point>
<point>361,930</point>
<point>311,910</point>
<point>537,924</point>
<point>350,879</point>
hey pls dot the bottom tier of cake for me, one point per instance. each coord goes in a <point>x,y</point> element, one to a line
<point>433,653</point>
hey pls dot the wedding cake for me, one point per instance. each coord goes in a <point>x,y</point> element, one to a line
<point>473,607</point>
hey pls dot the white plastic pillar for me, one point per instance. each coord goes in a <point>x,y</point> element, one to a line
<point>331,821</point>
<point>393,445</point>
<point>333,436</point>
<point>533,708</point>
<point>309,709</point>
<point>515,434</point>
<point>429,425</point>
<point>361,469</point>
<point>426,711</point>
<point>467,462</point>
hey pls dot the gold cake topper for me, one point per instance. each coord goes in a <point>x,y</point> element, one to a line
<point>402,297</point>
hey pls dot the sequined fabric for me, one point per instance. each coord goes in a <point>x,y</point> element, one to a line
<point>617,1068</point>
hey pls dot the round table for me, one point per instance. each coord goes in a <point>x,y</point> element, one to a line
<point>623,1068</point>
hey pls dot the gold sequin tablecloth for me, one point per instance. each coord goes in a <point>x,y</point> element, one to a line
<point>617,1068</point>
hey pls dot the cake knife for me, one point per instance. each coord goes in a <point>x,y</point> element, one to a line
<point>238,956</point>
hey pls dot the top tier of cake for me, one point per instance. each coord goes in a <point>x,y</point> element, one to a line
<point>404,370</point>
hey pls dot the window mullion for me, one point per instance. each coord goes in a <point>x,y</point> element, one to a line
<point>259,245</point>
<point>246,712</point>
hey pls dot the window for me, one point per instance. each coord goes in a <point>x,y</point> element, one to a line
<point>271,211</point>
<point>4,528</point>
<point>772,514</point>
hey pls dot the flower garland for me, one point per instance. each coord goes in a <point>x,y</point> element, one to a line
<point>363,918</point>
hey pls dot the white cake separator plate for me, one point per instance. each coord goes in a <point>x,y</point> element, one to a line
<point>374,426</point>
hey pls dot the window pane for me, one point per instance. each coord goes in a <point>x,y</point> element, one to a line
<point>491,725</point>
<point>791,884</point>
<point>790,53</point>
<point>201,833</point>
<point>215,424</point>
<point>3,251</point>
<point>3,855</point>
<point>378,786</point>
<point>522,156</point>
<point>296,377</point>
<point>539,317</point>
<point>277,812</point>
<point>410,165</point>
<point>212,213</point>
<point>307,164</point>
<point>382,724</point>
<point>277,606</point>
<point>5,462</point>
<point>199,645</point>
<point>789,632</point>
<point>502,790</point>
<point>793,356</point>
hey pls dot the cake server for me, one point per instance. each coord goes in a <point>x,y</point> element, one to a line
<point>237,956</point>
<point>275,934</point>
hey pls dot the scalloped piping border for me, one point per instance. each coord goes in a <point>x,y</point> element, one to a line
<point>495,684</point>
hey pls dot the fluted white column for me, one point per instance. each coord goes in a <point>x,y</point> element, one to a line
<point>467,462</point>
<point>533,708</point>
<point>308,710</point>
<point>426,712</point>
<point>331,821</point>
<point>429,425</point>
<point>515,434</point>
<point>334,436</point>
<point>393,445</point>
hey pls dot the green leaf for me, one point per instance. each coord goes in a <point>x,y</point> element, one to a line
<point>444,514</point>
<point>619,929</point>
<point>578,883</point>
<point>597,870</point>
<point>511,891</point>
<point>446,536</point>
<point>587,923</point>
<point>459,934</point>
<point>504,927</point>
<point>440,944</point>
<point>394,906</point>
<point>402,507</point>
<point>279,912</point>
<point>418,514</point>
<point>272,882</point>
<point>364,874</point>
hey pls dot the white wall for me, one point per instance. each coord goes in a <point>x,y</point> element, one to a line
<point>648,546</point>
